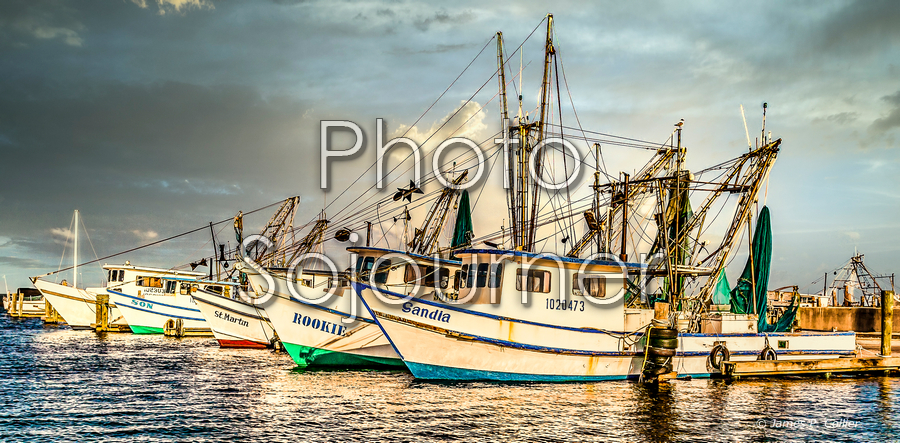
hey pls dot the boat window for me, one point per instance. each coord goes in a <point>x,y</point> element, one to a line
<point>381,274</point>
<point>461,277</point>
<point>470,276</point>
<point>593,285</point>
<point>457,280</point>
<point>482,274</point>
<point>170,286</point>
<point>149,282</point>
<point>496,273</point>
<point>214,288</point>
<point>368,263</point>
<point>430,275</point>
<point>185,289</point>
<point>409,275</point>
<point>339,282</point>
<point>121,275</point>
<point>534,280</point>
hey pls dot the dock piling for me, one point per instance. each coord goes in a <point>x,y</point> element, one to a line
<point>887,321</point>
<point>102,311</point>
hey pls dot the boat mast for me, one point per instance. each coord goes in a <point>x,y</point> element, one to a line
<point>75,259</point>
<point>549,51</point>
<point>504,123</point>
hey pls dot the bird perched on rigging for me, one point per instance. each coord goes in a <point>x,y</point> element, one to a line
<point>680,123</point>
<point>408,192</point>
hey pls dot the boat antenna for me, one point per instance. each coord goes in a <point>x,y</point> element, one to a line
<point>521,60</point>
<point>763,136</point>
<point>746,131</point>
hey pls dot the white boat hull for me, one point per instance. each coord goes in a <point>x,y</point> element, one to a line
<point>317,335</point>
<point>234,323</point>
<point>460,344</point>
<point>76,306</point>
<point>148,314</point>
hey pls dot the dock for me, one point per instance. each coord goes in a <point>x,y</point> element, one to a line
<point>880,363</point>
<point>737,370</point>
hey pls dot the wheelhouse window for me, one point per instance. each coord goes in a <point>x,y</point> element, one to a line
<point>482,275</point>
<point>429,275</point>
<point>381,274</point>
<point>533,280</point>
<point>149,282</point>
<point>589,284</point>
<point>116,275</point>
<point>170,286</point>
<point>214,288</point>
<point>365,265</point>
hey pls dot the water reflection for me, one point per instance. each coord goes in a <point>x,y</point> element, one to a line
<point>76,385</point>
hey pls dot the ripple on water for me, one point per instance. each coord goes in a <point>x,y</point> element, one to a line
<point>60,384</point>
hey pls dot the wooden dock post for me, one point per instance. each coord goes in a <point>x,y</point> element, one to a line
<point>887,321</point>
<point>661,312</point>
<point>51,316</point>
<point>102,311</point>
<point>20,305</point>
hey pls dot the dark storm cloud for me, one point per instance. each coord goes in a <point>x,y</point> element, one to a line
<point>26,22</point>
<point>860,27</point>
<point>151,122</point>
<point>890,121</point>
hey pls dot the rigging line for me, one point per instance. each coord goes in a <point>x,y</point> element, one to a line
<point>458,110</point>
<point>655,145</point>
<point>429,177</point>
<point>89,238</point>
<point>493,165</point>
<point>454,114</point>
<point>352,218</point>
<point>442,94</point>
<point>559,109</point>
<point>161,241</point>
<point>577,119</point>
<point>420,117</point>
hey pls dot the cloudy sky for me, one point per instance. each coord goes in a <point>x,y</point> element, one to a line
<point>154,117</point>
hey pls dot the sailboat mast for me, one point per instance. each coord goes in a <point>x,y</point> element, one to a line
<point>75,272</point>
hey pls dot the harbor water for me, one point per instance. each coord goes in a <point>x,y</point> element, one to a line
<point>64,385</point>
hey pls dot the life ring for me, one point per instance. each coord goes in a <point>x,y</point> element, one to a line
<point>718,355</point>
<point>767,354</point>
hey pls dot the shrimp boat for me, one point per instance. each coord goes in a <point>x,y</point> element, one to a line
<point>518,314</point>
<point>152,299</point>
<point>316,314</point>
<point>320,321</point>
<point>235,323</point>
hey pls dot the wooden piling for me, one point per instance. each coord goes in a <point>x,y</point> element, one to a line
<point>887,321</point>
<point>102,312</point>
<point>661,311</point>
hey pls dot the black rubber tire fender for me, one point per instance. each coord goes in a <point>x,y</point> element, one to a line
<point>767,354</point>
<point>718,355</point>
<point>668,343</point>
<point>663,333</point>
<point>663,352</point>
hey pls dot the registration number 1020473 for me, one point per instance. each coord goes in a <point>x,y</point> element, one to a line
<point>555,304</point>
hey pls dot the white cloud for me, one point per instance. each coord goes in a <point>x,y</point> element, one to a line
<point>145,235</point>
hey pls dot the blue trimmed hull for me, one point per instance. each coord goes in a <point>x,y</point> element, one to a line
<point>434,372</point>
